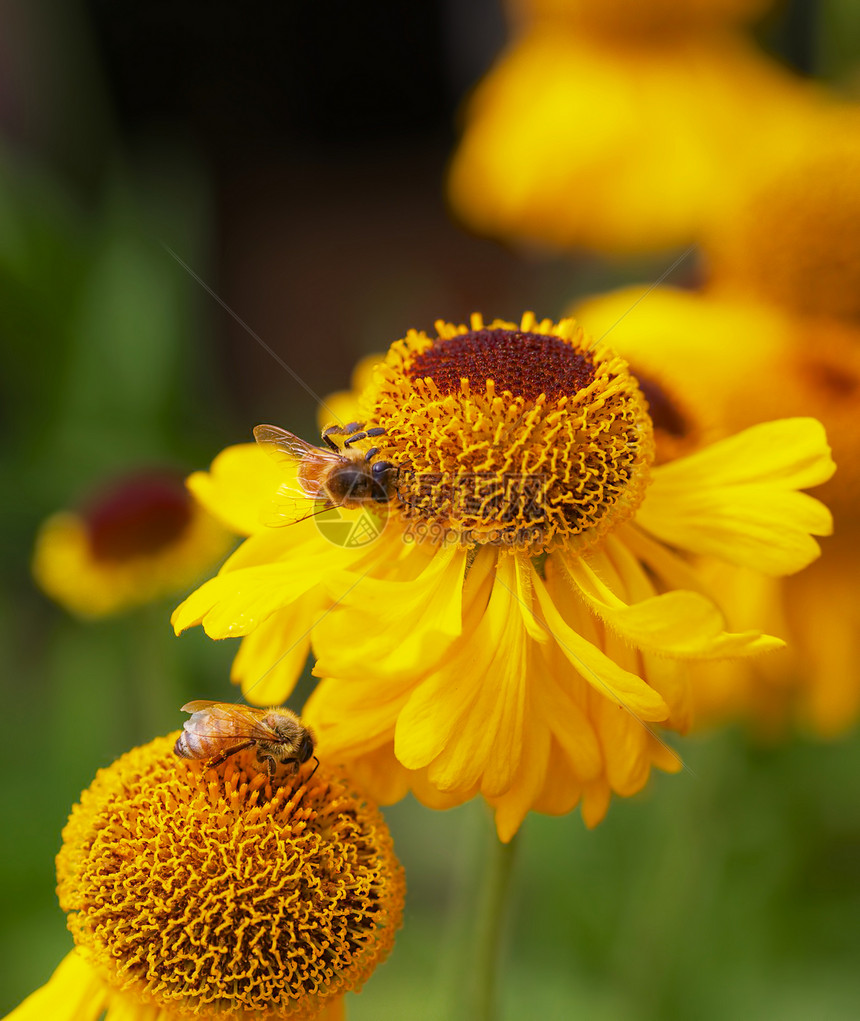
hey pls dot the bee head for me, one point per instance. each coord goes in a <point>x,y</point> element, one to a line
<point>306,747</point>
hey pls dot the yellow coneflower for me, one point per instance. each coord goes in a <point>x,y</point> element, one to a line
<point>720,361</point>
<point>214,894</point>
<point>610,126</point>
<point>522,620</point>
<point>142,538</point>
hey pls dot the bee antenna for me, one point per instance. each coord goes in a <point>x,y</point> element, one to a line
<point>316,767</point>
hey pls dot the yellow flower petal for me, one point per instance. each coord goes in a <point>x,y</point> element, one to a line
<point>561,697</point>
<point>737,498</point>
<point>232,605</point>
<point>607,678</point>
<point>402,624</point>
<point>514,805</point>
<point>486,717</point>
<point>241,479</point>
<point>353,718</point>
<point>125,1008</point>
<point>72,993</point>
<point>235,601</point>
<point>677,623</point>
<point>595,803</point>
<point>267,666</point>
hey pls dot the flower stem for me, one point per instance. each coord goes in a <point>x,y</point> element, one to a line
<point>489,924</point>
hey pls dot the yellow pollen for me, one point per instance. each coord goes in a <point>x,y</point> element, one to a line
<point>204,891</point>
<point>527,436</point>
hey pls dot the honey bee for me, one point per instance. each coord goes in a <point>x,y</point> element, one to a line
<point>217,730</point>
<point>337,476</point>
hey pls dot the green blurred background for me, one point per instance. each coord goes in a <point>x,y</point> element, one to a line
<point>292,155</point>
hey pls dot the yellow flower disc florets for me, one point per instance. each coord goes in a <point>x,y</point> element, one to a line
<point>528,436</point>
<point>215,893</point>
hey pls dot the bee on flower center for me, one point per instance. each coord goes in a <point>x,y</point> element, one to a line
<point>217,730</point>
<point>338,476</point>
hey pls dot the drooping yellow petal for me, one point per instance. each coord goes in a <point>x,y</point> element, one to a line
<point>679,623</point>
<point>513,806</point>
<point>624,740</point>
<point>595,802</point>
<point>737,499</point>
<point>271,658</point>
<point>478,696</point>
<point>355,717</point>
<point>672,678</point>
<point>561,697</point>
<point>560,792</point>
<point>72,993</point>
<point>606,677</point>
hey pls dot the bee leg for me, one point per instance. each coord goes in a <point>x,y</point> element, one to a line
<point>340,430</point>
<point>377,430</point>
<point>267,761</point>
<point>371,453</point>
<point>298,766</point>
<point>222,756</point>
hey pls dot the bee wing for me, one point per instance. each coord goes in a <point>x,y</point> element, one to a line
<point>283,445</point>
<point>290,505</point>
<point>307,466</point>
<point>209,718</point>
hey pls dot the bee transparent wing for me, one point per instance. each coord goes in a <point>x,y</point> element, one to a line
<point>284,446</point>
<point>290,506</point>
<point>307,466</point>
<point>215,719</point>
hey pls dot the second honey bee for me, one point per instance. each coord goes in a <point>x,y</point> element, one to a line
<point>336,476</point>
<point>217,730</point>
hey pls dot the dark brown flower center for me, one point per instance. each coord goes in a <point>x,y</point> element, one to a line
<point>139,517</point>
<point>665,415</point>
<point>525,364</point>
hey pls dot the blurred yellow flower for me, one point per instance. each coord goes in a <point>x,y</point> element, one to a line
<point>788,236</point>
<point>520,620</point>
<point>717,361</point>
<point>142,539</point>
<point>192,892</point>
<point>618,127</point>
<point>639,16</point>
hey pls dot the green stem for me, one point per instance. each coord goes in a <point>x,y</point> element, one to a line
<point>489,924</point>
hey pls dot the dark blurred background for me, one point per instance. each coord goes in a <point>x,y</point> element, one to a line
<point>291,155</point>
